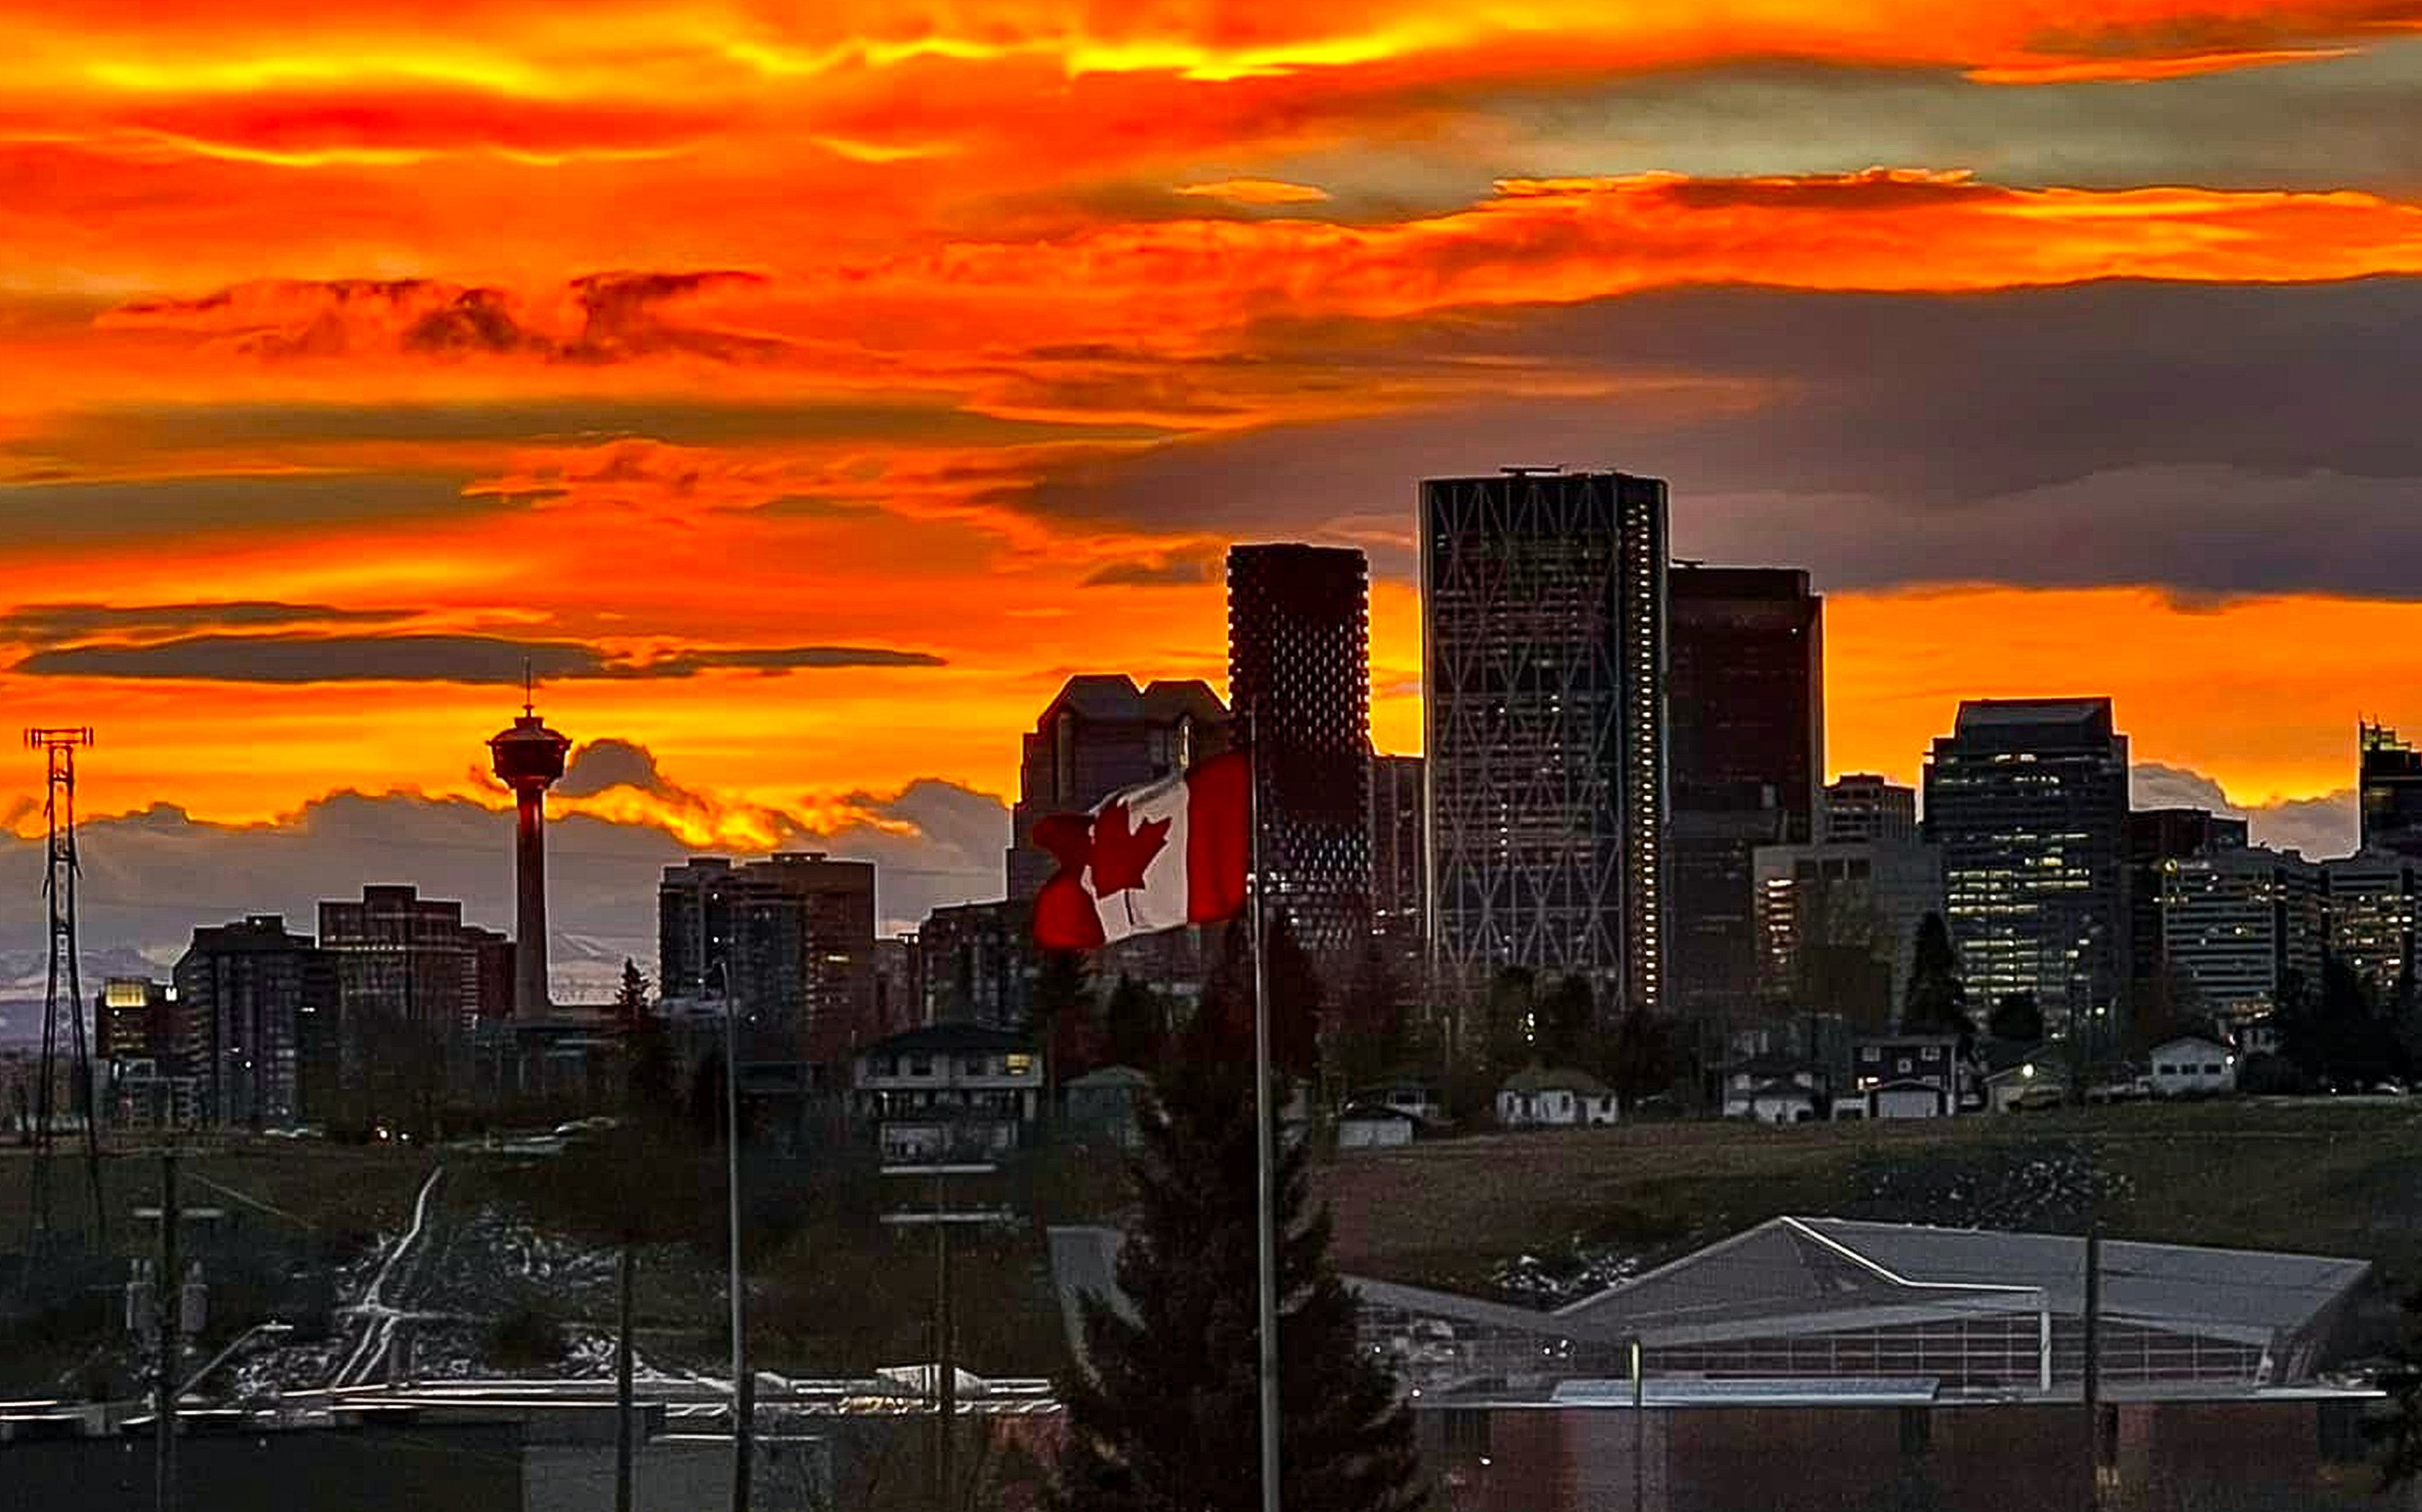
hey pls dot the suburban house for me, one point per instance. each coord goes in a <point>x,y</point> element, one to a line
<point>1772,1088</point>
<point>1905,1076</point>
<point>1404,1094</point>
<point>1105,1104</point>
<point>1535,1098</point>
<point>2193,1064</point>
<point>1365,1126</point>
<point>2258,1036</point>
<point>947,1090</point>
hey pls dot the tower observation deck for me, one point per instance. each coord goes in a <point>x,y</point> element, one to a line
<point>529,758</point>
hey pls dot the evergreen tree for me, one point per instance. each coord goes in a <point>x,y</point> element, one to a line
<point>1166,1419</point>
<point>1057,1018</point>
<point>1371,1036</point>
<point>1642,1061</point>
<point>631,997</point>
<point>1935,1002</point>
<point>1132,1025</point>
<point>1568,1023</point>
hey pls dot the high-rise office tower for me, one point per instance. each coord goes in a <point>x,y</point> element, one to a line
<point>1744,764</point>
<point>975,960</point>
<point>254,1006</point>
<point>1837,925</point>
<point>1299,670</point>
<point>1863,806</point>
<point>2158,841</point>
<point>2028,798</point>
<point>2236,922</point>
<point>1542,611</point>
<point>2374,906</point>
<point>2391,778</point>
<point>1398,853</point>
<point>789,940</point>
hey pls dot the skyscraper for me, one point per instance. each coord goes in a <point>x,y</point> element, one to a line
<point>1300,667</point>
<point>790,939</point>
<point>2158,841</point>
<point>2391,776</point>
<point>254,1008</point>
<point>2028,798</point>
<point>2374,903</point>
<point>1744,762</point>
<point>2236,922</point>
<point>1837,925</point>
<point>1543,609</point>
<point>410,959</point>
<point>1398,851</point>
<point>1863,806</point>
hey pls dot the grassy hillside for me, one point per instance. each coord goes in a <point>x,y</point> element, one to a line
<point>2338,1178</point>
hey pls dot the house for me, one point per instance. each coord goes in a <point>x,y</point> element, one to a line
<point>1375,1125</point>
<point>2193,1065</point>
<point>1105,1104</point>
<point>1535,1098</point>
<point>947,1090</point>
<point>1908,1076</point>
<point>1772,1088</point>
<point>2258,1036</point>
<point>1404,1094</point>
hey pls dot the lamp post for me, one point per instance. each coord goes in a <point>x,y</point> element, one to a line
<point>743,1405</point>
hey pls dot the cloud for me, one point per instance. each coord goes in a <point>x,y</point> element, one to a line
<point>1188,569</point>
<point>2321,827</point>
<point>48,624</point>
<point>1256,192</point>
<point>430,658</point>
<point>605,763</point>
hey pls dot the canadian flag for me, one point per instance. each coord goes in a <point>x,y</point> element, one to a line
<point>1162,855</point>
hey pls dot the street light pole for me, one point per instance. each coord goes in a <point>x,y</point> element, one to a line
<point>744,1406</point>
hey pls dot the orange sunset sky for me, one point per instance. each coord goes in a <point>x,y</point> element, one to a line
<point>807,388</point>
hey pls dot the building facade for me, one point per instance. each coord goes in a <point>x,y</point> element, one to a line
<point>2373,911</point>
<point>2028,800</point>
<point>1863,806</point>
<point>2237,924</point>
<point>1744,764</point>
<point>411,959</point>
<point>2156,840</point>
<point>790,939</point>
<point>974,965</point>
<point>1543,616</point>
<point>1837,925</point>
<point>1399,850</point>
<point>945,1091</point>
<point>1299,670</point>
<point>1100,734</point>
<point>2391,787</point>
<point>256,1006</point>
<point>137,1064</point>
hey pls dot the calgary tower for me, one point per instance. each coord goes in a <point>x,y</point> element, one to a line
<point>530,759</point>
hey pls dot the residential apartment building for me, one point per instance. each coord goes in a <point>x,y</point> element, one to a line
<point>789,939</point>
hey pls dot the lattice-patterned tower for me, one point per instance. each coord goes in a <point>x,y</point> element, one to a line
<point>63,990</point>
<point>1543,618</point>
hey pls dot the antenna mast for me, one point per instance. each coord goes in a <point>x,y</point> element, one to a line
<point>58,745</point>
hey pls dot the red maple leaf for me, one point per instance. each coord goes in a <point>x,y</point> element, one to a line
<point>1121,853</point>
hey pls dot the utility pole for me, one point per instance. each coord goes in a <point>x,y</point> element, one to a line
<point>170,1312</point>
<point>2093,1380</point>
<point>942,1218</point>
<point>622,1430</point>
<point>744,1388</point>
<point>1639,1429</point>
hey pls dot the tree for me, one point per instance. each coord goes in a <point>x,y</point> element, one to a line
<point>1055,1017</point>
<point>1641,1063</point>
<point>2016,1017</point>
<point>2400,1432</point>
<point>1132,1025</point>
<point>1372,1038</point>
<point>1163,1414</point>
<point>1568,1022</point>
<point>1935,1002</point>
<point>630,999</point>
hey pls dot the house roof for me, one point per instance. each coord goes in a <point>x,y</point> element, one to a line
<point>950,1039</point>
<point>1982,713</point>
<point>2223,1046</point>
<point>1362,1111</point>
<point>1535,1079</point>
<point>1110,1075</point>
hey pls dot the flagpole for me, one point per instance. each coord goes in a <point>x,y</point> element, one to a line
<point>1266,1208</point>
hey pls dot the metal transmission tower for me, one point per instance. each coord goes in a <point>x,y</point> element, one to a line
<point>58,746</point>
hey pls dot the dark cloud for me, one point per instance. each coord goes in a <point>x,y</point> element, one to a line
<point>56,624</point>
<point>2216,440</point>
<point>606,764</point>
<point>1176,570</point>
<point>428,658</point>
<point>65,511</point>
<point>2321,827</point>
